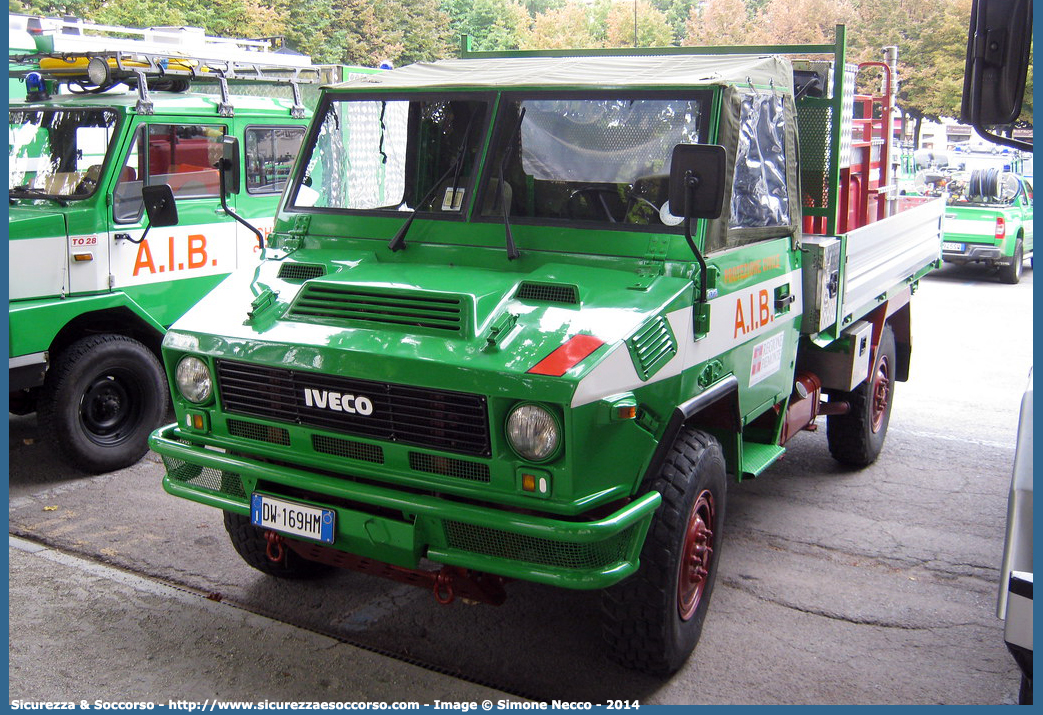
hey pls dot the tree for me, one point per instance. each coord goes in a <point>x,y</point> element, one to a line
<point>488,22</point>
<point>426,33</point>
<point>511,30</point>
<point>310,27</point>
<point>566,27</point>
<point>932,44</point>
<point>676,13</point>
<point>717,22</point>
<point>799,21</point>
<point>652,29</point>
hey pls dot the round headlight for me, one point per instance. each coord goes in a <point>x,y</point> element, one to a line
<point>193,379</point>
<point>533,432</point>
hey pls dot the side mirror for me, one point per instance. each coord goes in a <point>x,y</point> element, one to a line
<point>697,180</point>
<point>160,205</point>
<point>229,164</point>
<point>998,44</point>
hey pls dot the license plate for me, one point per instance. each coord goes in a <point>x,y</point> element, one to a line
<point>949,246</point>
<point>290,517</point>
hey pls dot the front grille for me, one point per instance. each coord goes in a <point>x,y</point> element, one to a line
<point>333,302</point>
<point>437,419</point>
<point>347,448</point>
<point>261,433</point>
<point>449,467</point>
<point>534,550</point>
<point>204,477</point>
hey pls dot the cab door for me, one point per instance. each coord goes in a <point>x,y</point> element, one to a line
<point>268,152</point>
<point>168,269</point>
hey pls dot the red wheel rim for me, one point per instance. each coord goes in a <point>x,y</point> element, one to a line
<point>696,556</point>
<point>881,393</point>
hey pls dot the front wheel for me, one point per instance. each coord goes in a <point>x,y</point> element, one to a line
<point>101,399</point>
<point>857,437</point>
<point>653,619</point>
<point>249,542</point>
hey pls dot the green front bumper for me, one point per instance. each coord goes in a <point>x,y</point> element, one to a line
<point>400,527</point>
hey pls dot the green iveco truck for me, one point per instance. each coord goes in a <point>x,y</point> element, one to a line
<point>524,316</point>
<point>91,294</point>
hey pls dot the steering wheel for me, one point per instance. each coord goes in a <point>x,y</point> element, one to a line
<point>642,192</point>
<point>598,192</point>
<point>89,182</point>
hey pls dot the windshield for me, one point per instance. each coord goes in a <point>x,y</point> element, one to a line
<point>591,158</point>
<point>58,153</point>
<point>393,155</point>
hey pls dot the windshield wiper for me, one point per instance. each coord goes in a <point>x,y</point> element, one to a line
<point>27,192</point>
<point>512,250</point>
<point>399,241</point>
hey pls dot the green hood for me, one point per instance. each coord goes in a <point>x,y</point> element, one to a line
<point>374,319</point>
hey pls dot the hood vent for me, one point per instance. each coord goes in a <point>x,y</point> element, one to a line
<point>652,347</point>
<point>548,293</point>
<point>301,271</point>
<point>331,302</point>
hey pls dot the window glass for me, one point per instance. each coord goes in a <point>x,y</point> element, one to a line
<point>270,152</point>
<point>590,158</point>
<point>127,196</point>
<point>393,155</point>
<point>760,196</point>
<point>58,152</point>
<point>183,156</point>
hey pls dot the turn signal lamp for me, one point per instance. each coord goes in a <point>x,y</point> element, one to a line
<point>535,482</point>
<point>619,408</point>
<point>626,412</point>
<point>196,421</point>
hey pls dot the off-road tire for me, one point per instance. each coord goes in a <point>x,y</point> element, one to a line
<point>100,400</point>
<point>1011,274</point>
<point>642,615</point>
<point>856,438</point>
<point>250,544</point>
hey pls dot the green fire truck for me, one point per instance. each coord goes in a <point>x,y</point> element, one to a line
<point>523,315</point>
<point>91,294</point>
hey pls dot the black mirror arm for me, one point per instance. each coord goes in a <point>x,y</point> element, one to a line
<point>224,205</point>
<point>690,184</point>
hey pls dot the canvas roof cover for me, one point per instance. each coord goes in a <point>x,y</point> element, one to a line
<point>572,72</point>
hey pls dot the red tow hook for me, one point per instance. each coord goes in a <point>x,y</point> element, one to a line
<point>443,586</point>
<point>274,551</point>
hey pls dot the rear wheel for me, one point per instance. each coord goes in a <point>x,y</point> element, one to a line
<point>857,437</point>
<point>101,399</point>
<point>250,543</point>
<point>1012,274</point>
<point>653,619</point>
